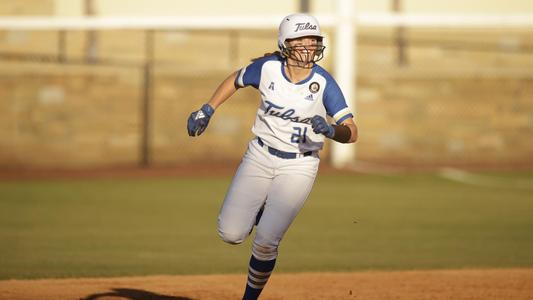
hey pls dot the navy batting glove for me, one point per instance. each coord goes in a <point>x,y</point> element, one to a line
<point>320,125</point>
<point>198,120</point>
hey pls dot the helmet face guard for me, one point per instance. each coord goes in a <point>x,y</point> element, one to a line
<point>304,56</point>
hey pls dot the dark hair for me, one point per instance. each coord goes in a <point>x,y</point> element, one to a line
<point>268,54</point>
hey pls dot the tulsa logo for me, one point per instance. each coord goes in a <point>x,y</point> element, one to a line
<point>278,111</point>
<point>304,26</point>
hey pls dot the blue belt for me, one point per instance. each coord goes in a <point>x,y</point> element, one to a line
<point>282,154</point>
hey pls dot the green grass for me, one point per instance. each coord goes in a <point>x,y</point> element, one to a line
<point>85,228</point>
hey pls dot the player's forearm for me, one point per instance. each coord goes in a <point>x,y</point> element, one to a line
<point>224,91</point>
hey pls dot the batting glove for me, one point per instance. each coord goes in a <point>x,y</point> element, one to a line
<point>320,125</point>
<point>198,120</point>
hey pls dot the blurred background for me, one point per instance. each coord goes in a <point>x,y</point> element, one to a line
<point>429,94</point>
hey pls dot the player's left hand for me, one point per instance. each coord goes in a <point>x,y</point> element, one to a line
<point>198,120</point>
<point>320,125</point>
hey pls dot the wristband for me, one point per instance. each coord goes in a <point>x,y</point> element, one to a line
<point>342,133</point>
<point>208,110</point>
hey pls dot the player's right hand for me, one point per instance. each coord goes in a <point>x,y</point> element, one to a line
<point>198,120</point>
<point>320,125</point>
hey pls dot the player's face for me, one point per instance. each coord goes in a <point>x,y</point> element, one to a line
<point>304,49</point>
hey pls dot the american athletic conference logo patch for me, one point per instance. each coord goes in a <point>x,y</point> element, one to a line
<point>314,87</point>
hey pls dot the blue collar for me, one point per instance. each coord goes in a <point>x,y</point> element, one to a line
<point>283,62</point>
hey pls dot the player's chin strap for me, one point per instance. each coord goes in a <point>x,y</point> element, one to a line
<point>300,64</point>
<point>308,65</point>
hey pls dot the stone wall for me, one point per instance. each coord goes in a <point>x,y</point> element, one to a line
<point>68,116</point>
<point>448,106</point>
<point>443,120</point>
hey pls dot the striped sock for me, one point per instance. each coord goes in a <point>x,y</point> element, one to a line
<point>258,274</point>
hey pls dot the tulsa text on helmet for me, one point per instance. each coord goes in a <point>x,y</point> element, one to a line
<point>277,111</point>
<point>304,26</point>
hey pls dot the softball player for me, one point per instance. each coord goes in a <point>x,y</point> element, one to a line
<point>279,167</point>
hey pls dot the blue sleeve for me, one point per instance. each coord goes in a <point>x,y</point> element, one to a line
<point>251,74</point>
<point>334,101</point>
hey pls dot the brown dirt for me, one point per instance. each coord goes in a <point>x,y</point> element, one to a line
<point>515,284</point>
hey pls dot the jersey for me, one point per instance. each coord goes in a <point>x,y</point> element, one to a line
<point>284,115</point>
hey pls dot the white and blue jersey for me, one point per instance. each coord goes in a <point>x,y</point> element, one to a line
<point>284,116</point>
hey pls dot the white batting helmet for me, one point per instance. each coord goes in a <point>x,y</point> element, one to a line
<point>299,25</point>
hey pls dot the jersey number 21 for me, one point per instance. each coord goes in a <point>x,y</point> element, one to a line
<point>299,136</point>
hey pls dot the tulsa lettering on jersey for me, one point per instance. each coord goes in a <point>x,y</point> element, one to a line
<point>273,110</point>
<point>304,26</point>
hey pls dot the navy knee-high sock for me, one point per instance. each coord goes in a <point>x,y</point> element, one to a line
<point>258,273</point>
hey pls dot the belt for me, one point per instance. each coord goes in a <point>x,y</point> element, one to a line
<point>283,154</point>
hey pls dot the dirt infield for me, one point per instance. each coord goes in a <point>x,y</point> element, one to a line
<point>516,284</point>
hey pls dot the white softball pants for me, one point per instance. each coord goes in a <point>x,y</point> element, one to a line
<point>262,178</point>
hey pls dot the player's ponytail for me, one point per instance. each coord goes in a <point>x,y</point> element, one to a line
<point>278,53</point>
